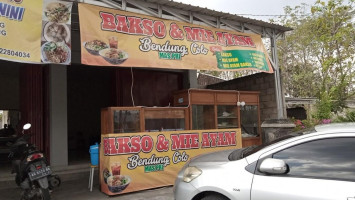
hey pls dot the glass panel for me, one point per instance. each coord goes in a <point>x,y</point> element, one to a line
<point>126,121</point>
<point>203,117</point>
<point>327,159</point>
<point>227,117</point>
<point>164,120</point>
<point>154,125</point>
<point>249,120</point>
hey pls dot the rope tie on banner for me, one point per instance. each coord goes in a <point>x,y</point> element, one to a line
<point>132,87</point>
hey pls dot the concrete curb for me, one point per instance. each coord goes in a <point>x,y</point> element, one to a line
<point>66,173</point>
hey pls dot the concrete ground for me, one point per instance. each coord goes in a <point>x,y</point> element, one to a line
<point>75,187</point>
<point>78,190</point>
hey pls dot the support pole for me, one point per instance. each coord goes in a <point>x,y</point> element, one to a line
<point>278,87</point>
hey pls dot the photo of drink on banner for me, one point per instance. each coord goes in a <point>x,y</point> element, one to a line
<point>115,181</point>
<point>110,52</point>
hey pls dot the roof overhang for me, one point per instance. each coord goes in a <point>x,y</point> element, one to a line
<point>168,9</point>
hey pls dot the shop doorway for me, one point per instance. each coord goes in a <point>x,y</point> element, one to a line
<point>9,107</point>
<point>23,99</point>
<point>88,90</point>
<point>92,88</point>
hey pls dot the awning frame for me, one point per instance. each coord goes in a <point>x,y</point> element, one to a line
<point>171,10</point>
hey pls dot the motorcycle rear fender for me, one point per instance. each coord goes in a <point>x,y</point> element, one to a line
<point>25,184</point>
<point>43,182</point>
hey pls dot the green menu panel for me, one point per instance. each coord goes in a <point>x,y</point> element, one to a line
<point>241,59</point>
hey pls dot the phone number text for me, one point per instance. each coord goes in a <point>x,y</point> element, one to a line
<point>10,52</point>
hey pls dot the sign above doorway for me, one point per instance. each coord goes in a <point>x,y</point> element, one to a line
<point>118,38</point>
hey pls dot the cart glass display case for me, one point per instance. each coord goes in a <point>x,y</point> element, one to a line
<point>249,120</point>
<point>126,121</point>
<point>202,117</point>
<point>219,109</point>
<point>162,119</point>
<point>227,116</point>
<point>143,119</point>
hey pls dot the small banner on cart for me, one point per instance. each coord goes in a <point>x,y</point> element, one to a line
<point>35,31</point>
<point>117,38</point>
<point>137,161</point>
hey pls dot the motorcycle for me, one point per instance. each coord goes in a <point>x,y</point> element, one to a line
<point>33,174</point>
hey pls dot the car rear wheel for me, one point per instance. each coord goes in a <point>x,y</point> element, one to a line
<point>214,197</point>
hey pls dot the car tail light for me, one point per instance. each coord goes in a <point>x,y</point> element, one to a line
<point>34,157</point>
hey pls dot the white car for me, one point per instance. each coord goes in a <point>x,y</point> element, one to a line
<point>318,164</point>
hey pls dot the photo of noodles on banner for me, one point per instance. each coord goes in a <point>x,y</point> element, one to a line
<point>56,32</point>
<point>112,37</point>
<point>137,161</point>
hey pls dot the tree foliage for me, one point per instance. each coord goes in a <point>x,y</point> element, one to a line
<point>317,57</point>
<point>349,117</point>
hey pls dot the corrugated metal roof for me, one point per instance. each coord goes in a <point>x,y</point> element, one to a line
<point>223,15</point>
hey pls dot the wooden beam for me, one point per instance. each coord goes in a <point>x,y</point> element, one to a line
<point>232,26</point>
<point>112,3</point>
<point>218,22</point>
<point>175,14</point>
<point>191,18</point>
<point>160,11</point>
<point>253,29</point>
<point>141,6</point>
<point>124,4</point>
<point>201,17</point>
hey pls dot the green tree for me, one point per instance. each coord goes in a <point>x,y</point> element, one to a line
<point>317,58</point>
<point>349,117</point>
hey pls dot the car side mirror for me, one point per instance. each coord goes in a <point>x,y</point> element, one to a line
<point>273,166</point>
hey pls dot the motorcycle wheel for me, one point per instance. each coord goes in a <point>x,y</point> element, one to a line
<point>43,194</point>
<point>36,194</point>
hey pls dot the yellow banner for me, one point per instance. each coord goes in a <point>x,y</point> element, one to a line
<point>35,31</point>
<point>137,161</point>
<point>117,38</point>
<point>20,30</point>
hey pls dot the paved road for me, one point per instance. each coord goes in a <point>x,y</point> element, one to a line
<point>77,190</point>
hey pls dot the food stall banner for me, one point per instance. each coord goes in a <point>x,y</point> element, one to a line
<point>137,161</point>
<point>118,38</point>
<point>35,31</point>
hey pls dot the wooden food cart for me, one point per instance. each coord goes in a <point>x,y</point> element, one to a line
<point>145,147</point>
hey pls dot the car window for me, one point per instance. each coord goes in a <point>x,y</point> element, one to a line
<point>282,138</point>
<point>332,158</point>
